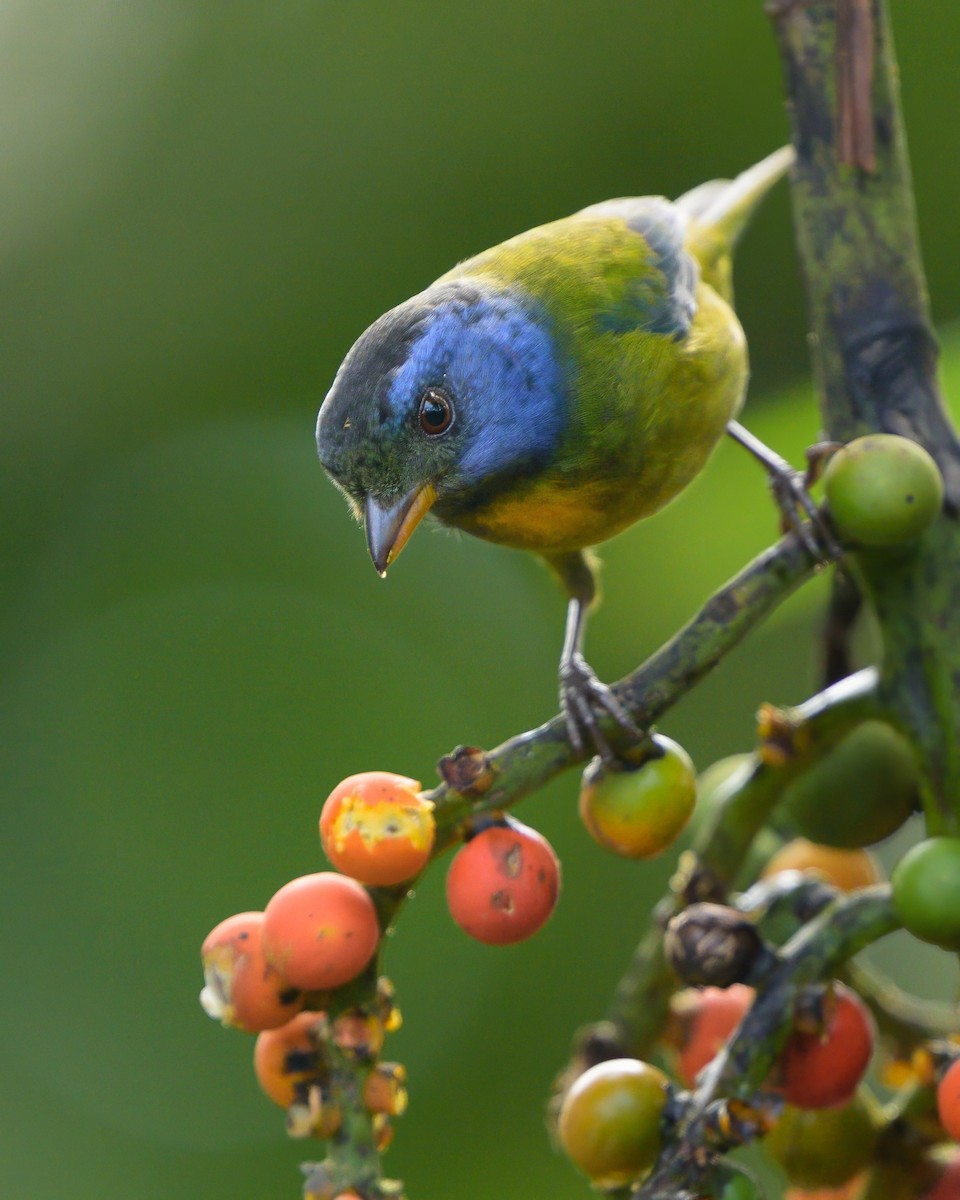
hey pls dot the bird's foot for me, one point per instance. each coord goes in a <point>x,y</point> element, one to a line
<point>799,512</point>
<point>584,699</point>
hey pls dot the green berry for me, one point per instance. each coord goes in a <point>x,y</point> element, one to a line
<point>882,490</point>
<point>824,1147</point>
<point>859,794</point>
<point>926,891</point>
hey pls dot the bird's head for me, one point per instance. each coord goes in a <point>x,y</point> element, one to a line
<point>441,402</point>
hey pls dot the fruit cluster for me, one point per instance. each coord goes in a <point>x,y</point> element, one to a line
<point>321,931</point>
<point>301,973</point>
<point>611,1120</point>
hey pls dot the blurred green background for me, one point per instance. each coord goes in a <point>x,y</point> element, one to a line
<point>202,206</point>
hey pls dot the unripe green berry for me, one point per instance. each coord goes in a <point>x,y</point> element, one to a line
<point>824,1147</point>
<point>740,1186</point>
<point>926,891</point>
<point>860,793</point>
<point>882,490</point>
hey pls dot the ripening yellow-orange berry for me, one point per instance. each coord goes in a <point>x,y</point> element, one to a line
<point>844,869</point>
<point>378,828</point>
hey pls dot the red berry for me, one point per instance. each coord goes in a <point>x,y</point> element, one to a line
<point>821,1070</point>
<point>947,1186</point>
<point>376,827</point>
<point>948,1100</point>
<point>709,1017</point>
<point>503,884</point>
<point>320,930</point>
<point>241,988</point>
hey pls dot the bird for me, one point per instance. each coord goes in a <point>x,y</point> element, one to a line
<point>549,392</point>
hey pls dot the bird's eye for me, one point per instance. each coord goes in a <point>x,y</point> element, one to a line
<point>436,411</point>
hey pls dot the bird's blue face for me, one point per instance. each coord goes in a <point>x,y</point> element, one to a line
<point>442,402</point>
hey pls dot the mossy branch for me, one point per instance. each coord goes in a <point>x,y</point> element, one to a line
<point>479,782</point>
<point>873,347</point>
<point>874,357</point>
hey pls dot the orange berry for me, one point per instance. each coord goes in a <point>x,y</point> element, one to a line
<point>377,828</point>
<point>320,930</point>
<point>503,884</point>
<point>845,869</point>
<point>287,1061</point>
<point>846,1191</point>
<point>708,1017</point>
<point>241,988</point>
<point>823,1070</point>
<point>948,1100</point>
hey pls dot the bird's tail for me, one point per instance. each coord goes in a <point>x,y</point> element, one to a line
<point>718,212</point>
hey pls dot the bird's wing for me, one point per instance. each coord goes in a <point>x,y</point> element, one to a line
<point>670,307</point>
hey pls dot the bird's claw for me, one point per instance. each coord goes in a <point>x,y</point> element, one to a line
<point>583,699</point>
<point>790,490</point>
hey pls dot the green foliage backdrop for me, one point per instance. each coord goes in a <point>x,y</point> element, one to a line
<point>202,205</point>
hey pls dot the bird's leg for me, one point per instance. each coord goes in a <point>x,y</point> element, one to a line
<point>791,492</point>
<point>582,695</point>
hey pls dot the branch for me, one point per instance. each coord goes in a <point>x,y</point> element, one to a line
<point>477,783</point>
<point>814,953</point>
<point>874,352</point>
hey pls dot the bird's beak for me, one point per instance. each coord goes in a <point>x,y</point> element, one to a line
<point>389,526</point>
